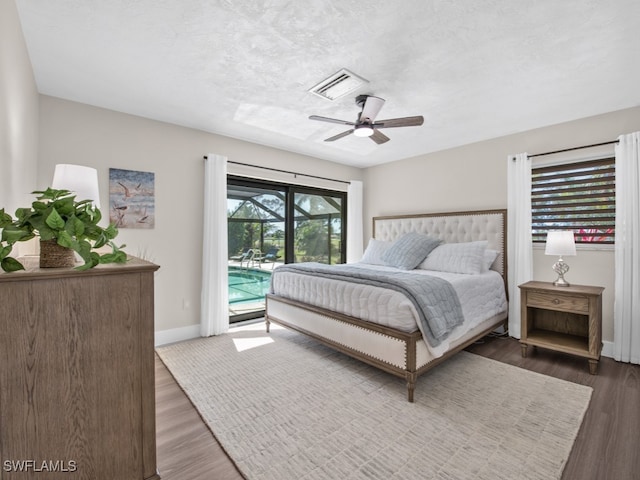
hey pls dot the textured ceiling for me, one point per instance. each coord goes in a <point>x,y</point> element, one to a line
<point>475,69</point>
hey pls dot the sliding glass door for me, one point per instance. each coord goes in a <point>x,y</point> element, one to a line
<point>272,223</point>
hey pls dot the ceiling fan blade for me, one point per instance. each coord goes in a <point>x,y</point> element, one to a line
<point>330,120</point>
<point>400,122</point>
<point>339,136</point>
<point>371,108</point>
<point>379,137</point>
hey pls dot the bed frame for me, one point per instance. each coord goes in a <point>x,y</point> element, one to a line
<point>402,354</point>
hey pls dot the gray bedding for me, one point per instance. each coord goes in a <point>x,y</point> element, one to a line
<point>435,299</point>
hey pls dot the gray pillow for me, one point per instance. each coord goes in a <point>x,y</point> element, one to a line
<point>409,250</point>
<point>375,250</point>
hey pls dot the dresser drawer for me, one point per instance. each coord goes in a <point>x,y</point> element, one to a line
<point>558,301</point>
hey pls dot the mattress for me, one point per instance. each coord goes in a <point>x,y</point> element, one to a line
<point>481,296</point>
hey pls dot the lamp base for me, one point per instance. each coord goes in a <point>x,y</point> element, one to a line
<point>561,282</point>
<point>561,268</point>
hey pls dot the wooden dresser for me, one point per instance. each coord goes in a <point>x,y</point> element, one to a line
<point>77,388</point>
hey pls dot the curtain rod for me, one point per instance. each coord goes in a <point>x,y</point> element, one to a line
<point>286,171</point>
<point>574,148</point>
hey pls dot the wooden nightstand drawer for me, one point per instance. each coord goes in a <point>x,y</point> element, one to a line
<point>556,301</point>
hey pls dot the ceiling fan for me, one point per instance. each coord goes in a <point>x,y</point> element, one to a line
<point>366,124</point>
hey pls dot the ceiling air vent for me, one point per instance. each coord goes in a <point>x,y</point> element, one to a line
<point>338,85</point>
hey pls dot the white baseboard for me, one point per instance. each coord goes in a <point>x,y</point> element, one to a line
<point>164,337</point>
<point>607,349</point>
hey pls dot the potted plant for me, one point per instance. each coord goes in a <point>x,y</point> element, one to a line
<point>61,222</point>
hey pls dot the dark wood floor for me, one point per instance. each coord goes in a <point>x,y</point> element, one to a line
<point>607,446</point>
<point>186,448</point>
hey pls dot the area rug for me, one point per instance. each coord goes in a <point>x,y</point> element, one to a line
<point>285,407</point>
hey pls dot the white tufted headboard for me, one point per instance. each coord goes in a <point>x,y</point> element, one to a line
<point>452,227</point>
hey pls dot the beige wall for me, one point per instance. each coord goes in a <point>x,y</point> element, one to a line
<point>81,134</point>
<point>474,177</point>
<point>18,113</point>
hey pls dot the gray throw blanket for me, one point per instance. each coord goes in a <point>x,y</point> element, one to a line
<point>435,299</point>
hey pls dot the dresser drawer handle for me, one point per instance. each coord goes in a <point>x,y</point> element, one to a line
<point>556,301</point>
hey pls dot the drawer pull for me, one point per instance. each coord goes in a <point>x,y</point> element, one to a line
<point>556,301</point>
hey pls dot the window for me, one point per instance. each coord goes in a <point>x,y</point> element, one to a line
<point>271,223</point>
<point>576,196</point>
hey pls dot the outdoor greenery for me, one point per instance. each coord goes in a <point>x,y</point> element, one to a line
<point>258,222</point>
<point>313,243</point>
<point>56,215</point>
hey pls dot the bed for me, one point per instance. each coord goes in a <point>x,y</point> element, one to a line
<point>383,327</point>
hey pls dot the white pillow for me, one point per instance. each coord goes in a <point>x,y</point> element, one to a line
<point>465,257</point>
<point>374,251</point>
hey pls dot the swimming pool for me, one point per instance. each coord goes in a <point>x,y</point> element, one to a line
<point>247,285</point>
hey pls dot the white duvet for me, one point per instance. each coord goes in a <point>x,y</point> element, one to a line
<point>482,296</point>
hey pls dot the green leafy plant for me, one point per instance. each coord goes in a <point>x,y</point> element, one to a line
<point>56,215</point>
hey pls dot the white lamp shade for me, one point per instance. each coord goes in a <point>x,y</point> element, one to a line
<point>79,179</point>
<point>560,242</point>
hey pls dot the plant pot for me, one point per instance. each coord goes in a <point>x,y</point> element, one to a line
<point>53,255</point>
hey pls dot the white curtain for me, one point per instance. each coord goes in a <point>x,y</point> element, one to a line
<point>354,222</point>
<point>519,240</point>
<point>626,317</point>
<point>214,318</point>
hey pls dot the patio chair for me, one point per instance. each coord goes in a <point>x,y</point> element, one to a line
<point>271,256</point>
<point>242,256</point>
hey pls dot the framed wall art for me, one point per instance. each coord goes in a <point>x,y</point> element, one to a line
<point>131,198</point>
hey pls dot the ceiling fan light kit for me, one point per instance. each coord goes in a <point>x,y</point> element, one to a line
<point>362,131</point>
<point>366,124</point>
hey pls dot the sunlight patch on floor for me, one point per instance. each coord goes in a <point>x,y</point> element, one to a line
<point>243,344</point>
<point>251,335</point>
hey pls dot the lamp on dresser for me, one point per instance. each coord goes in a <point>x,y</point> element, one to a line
<point>79,179</point>
<point>560,243</point>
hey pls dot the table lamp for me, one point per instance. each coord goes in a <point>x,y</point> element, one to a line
<point>561,243</point>
<point>79,179</point>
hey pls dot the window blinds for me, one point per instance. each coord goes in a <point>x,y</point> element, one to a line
<point>576,196</point>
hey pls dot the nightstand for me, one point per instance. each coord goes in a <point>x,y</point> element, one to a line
<point>564,319</point>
